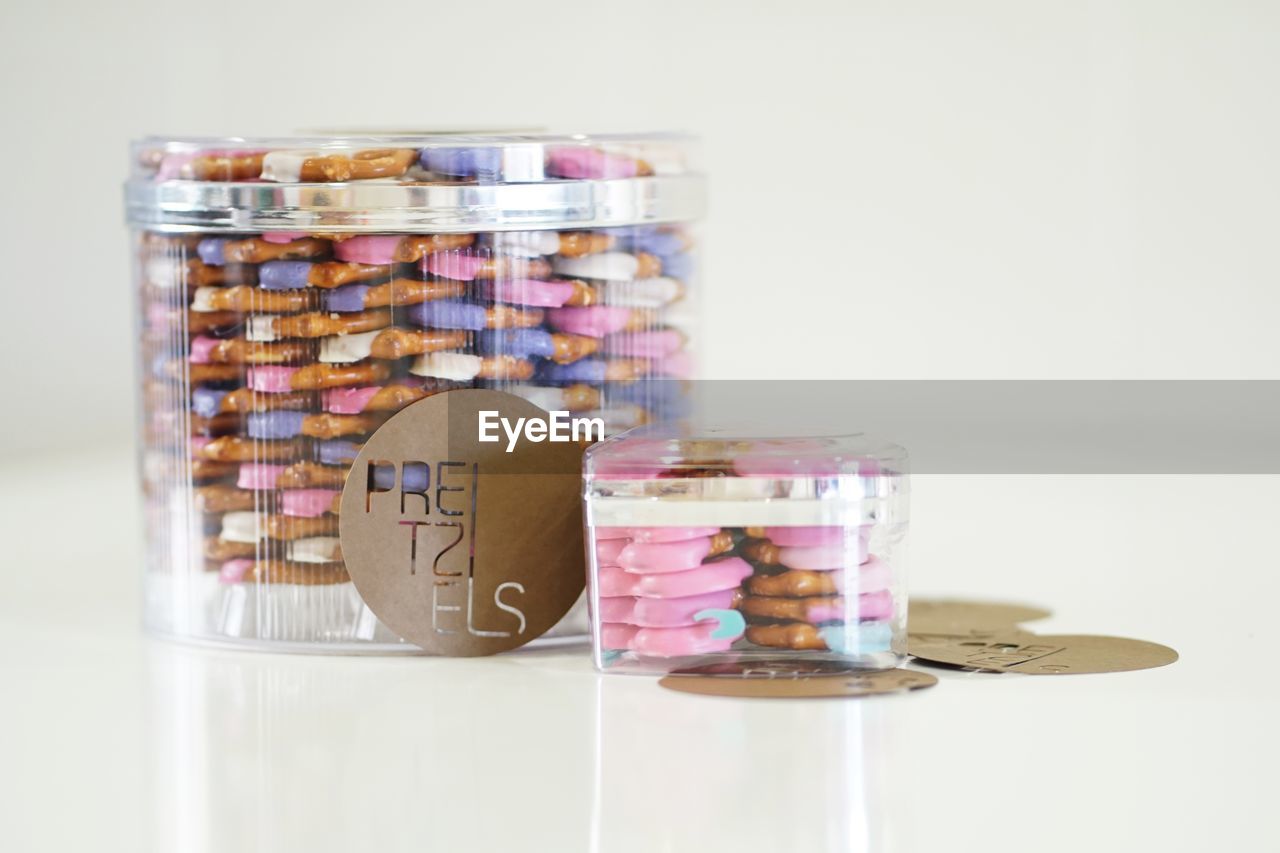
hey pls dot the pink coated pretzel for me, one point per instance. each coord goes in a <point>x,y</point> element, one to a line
<point>395,249</point>
<point>665,612</point>
<point>708,577</point>
<point>468,266</point>
<point>819,558</point>
<point>644,557</point>
<point>258,476</point>
<point>594,164</point>
<point>541,294</point>
<point>665,642</point>
<point>607,551</point>
<point>660,344</point>
<point>595,320</point>
<point>309,503</point>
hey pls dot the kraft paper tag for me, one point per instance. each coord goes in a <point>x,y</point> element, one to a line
<point>1047,654</point>
<point>458,545</point>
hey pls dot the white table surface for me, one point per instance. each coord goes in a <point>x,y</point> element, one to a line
<point>110,740</point>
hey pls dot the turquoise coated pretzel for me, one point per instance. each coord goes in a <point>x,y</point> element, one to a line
<point>731,624</point>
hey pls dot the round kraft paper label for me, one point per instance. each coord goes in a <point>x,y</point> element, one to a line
<point>1043,654</point>
<point>461,522</point>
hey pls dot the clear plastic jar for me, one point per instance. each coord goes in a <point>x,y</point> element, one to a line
<point>295,293</point>
<point>708,549</point>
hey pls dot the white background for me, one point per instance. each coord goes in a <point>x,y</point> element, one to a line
<point>907,190</point>
<point>898,190</point>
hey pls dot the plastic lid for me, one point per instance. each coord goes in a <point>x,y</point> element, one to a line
<point>666,475</point>
<point>413,182</point>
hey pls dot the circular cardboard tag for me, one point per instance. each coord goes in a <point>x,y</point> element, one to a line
<point>460,545</point>
<point>1048,654</point>
<point>802,687</point>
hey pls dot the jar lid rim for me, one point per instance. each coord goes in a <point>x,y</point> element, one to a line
<point>423,207</point>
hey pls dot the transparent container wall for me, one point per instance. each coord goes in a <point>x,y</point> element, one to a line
<point>269,356</point>
<point>707,552</point>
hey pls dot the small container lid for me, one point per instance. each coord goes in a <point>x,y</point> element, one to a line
<point>668,475</point>
<point>432,183</point>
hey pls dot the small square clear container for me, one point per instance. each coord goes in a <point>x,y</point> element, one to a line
<point>708,549</point>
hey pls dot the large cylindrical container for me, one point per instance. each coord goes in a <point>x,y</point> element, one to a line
<point>294,294</point>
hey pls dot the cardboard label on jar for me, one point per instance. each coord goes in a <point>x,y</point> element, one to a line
<point>463,545</point>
